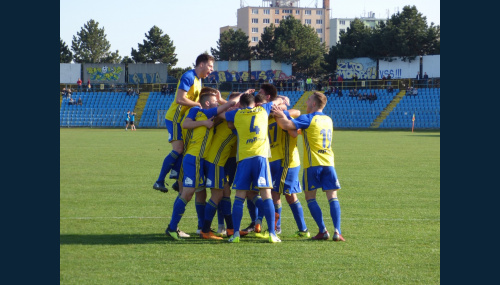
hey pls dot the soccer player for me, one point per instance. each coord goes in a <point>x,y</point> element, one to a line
<point>319,168</point>
<point>285,165</point>
<point>188,90</point>
<point>253,170</point>
<point>223,141</point>
<point>192,163</point>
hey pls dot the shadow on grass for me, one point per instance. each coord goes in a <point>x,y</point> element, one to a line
<point>124,239</point>
<point>432,136</point>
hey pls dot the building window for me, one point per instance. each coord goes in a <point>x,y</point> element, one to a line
<point>319,31</point>
<point>342,30</point>
<point>297,12</point>
<point>287,11</point>
<point>342,22</point>
<point>255,39</point>
<point>276,21</point>
<point>255,11</point>
<point>255,30</point>
<point>307,21</point>
<point>266,21</point>
<point>319,22</point>
<point>255,21</point>
<point>307,12</point>
<point>319,12</point>
<point>267,12</point>
<point>277,11</point>
<point>320,40</point>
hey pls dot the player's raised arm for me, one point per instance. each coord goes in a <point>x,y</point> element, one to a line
<point>190,124</point>
<point>282,120</point>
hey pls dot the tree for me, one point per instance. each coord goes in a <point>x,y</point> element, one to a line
<point>232,45</point>
<point>91,46</point>
<point>298,45</point>
<point>329,63</point>
<point>356,41</point>
<point>66,55</point>
<point>157,47</point>
<point>177,72</point>
<point>265,48</point>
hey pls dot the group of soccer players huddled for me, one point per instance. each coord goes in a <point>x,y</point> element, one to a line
<point>248,144</point>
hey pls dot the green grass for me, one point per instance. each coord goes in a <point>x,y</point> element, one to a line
<point>112,221</point>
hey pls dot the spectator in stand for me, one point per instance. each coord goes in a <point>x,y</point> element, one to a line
<point>351,93</point>
<point>79,83</point>
<point>309,83</point>
<point>136,92</point>
<point>71,101</point>
<point>319,86</point>
<point>80,101</point>
<point>340,80</point>
<point>389,82</point>
<point>409,91</point>
<point>164,90</point>
<point>329,81</point>
<point>68,93</point>
<point>390,89</point>
<point>415,91</point>
<point>89,87</point>
<point>64,93</point>
<point>383,80</point>
<point>340,93</point>
<point>426,80</point>
<point>129,92</point>
<point>418,79</point>
<point>355,80</point>
<point>171,89</point>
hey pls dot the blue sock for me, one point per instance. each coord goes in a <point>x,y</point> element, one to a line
<point>168,163</point>
<point>210,210</point>
<point>226,211</point>
<point>252,210</point>
<point>257,200</point>
<point>237,213</point>
<point>277,209</point>
<point>200,212</point>
<point>174,172</point>
<point>298,215</point>
<point>178,211</point>
<point>335,213</point>
<point>268,207</point>
<point>316,213</point>
<point>220,215</point>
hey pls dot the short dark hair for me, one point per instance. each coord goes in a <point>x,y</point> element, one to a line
<point>270,90</point>
<point>247,99</point>
<point>204,57</point>
<point>233,94</point>
<point>205,94</point>
<point>260,98</point>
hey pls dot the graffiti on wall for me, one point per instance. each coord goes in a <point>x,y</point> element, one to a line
<point>363,70</point>
<point>234,76</point>
<point>104,73</point>
<point>137,78</point>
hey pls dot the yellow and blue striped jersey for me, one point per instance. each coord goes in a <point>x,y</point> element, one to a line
<point>275,139</point>
<point>201,136</point>
<point>317,129</point>
<point>192,84</point>
<point>291,157</point>
<point>223,143</point>
<point>251,125</point>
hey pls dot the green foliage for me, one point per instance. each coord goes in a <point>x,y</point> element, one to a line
<point>232,45</point>
<point>112,222</point>
<point>66,55</point>
<point>177,72</point>
<point>298,45</point>
<point>91,46</point>
<point>157,47</point>
<point>265,48</point>
<point>405,35</point>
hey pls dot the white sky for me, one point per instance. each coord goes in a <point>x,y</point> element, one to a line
<point>194,25</point>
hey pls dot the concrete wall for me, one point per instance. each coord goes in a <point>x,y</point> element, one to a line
<point>265,69</point>
<point>147,73</point>
<point>69,73</point>
<point>108,73</point>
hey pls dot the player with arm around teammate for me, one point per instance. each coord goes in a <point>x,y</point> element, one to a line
<point>318,161</point>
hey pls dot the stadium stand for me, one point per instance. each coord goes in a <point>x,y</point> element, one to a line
<point>98,109</point>
<point>108,109</point>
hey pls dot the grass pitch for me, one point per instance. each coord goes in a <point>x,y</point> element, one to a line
<point>112,221</point>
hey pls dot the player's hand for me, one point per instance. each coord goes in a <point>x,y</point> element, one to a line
<point>278,113</point>
<point>285,99</point>
<point>249,91</point>
<point>209,123</point>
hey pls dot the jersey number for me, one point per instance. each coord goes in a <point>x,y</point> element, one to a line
<point>253,128</point>
<point>327,135</point>
<point>275,127</point>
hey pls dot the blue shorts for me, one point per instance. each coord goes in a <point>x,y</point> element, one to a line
<point>324,177</point>
<point>275,172</point>
<point>288,182</point>
<point>192,171</point>
<point>252,174</point>
<point>174,130</point>
<point>230,169</point>
<point>214,175</point>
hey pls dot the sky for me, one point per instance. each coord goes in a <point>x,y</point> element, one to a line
<point>193,25</point>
